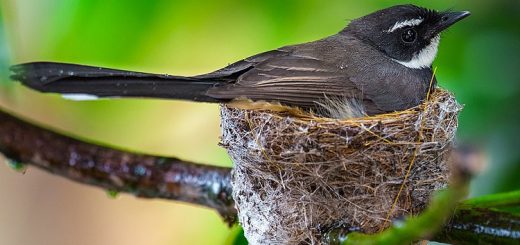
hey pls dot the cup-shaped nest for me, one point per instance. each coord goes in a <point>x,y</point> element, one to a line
<point>296,175</point>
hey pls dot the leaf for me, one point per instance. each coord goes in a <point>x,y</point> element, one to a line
<point>236,236</point>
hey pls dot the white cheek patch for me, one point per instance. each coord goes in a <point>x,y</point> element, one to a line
<point>79,97</point>
<point>401,24</point>
<point>425,57</point>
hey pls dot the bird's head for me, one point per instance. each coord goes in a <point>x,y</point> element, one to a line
<point>408,34</point>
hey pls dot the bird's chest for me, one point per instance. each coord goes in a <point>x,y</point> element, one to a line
<point>392,87</point>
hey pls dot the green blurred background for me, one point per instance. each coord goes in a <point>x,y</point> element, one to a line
<point>479,60</point>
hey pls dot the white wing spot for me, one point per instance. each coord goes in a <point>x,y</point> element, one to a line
<point>79,97</point>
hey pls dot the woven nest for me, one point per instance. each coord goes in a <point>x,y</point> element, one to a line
<point>296,175</point>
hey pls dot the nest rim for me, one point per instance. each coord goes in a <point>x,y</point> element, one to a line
<point>282,111</point>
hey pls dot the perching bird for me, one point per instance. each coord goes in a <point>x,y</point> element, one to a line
<point>379,63</point>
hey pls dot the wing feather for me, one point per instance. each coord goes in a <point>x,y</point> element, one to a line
<point>295,80</point>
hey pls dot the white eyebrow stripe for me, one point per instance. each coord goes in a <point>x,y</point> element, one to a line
<point>401,24</point>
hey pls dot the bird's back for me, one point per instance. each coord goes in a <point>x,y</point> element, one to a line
<point>340,67</point>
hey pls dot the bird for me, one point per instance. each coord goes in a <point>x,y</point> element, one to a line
<point>379,63</point>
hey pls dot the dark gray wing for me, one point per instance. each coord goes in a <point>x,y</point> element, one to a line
<point>231,72</point>
<point>290,78</point>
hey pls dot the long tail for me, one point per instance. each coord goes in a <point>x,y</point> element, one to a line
<point>87,82</point>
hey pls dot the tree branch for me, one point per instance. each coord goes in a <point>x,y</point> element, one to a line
<point>115,170</point>
<point>171,178</point>
<point>480,226</point>
<point>493,219</point>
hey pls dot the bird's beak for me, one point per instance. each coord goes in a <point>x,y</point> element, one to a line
<point>448,19</point>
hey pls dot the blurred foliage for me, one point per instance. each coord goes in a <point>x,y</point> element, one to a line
<point>478,60</point>
<point>4,56</point>
<point>505,202</point>
<point>236,236</point>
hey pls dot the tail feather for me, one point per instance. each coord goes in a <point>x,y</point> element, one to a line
<point>92,81</point>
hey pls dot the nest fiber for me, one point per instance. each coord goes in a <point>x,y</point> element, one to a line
<point>296,175</point>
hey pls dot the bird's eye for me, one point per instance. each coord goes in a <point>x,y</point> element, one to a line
<point>409,35</point>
